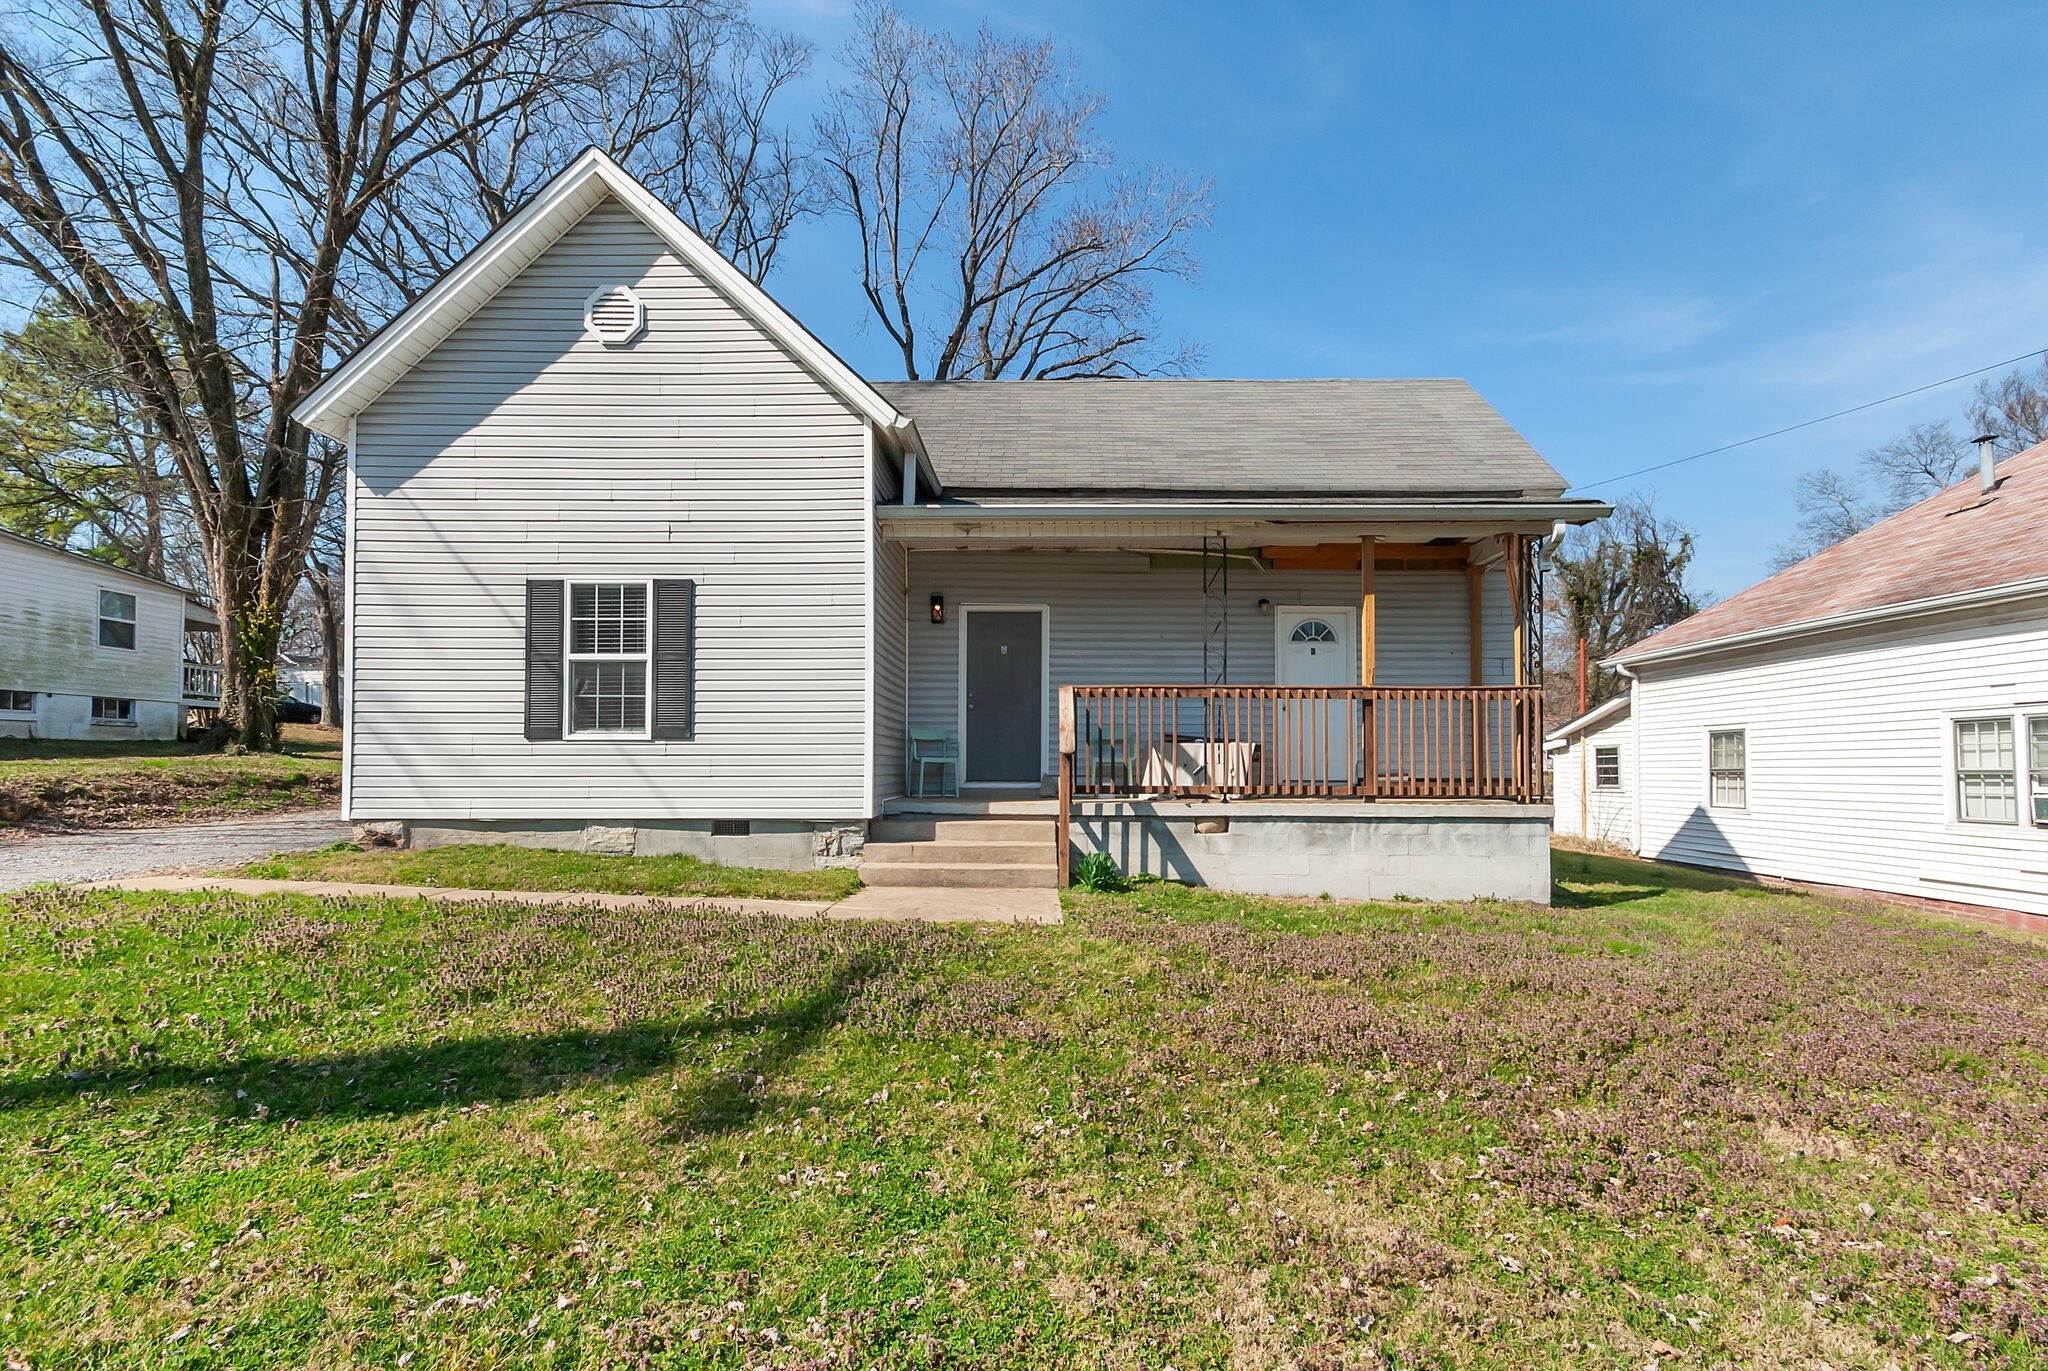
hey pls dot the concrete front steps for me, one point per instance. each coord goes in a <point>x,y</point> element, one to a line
<point>936,851</point>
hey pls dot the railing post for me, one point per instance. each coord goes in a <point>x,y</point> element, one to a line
<point>1066,799</point>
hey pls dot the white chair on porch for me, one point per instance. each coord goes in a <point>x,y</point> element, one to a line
<point>933,747</point>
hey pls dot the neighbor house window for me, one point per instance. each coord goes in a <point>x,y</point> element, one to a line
<point>1607,768</point>
<point>1987,788</point>
<point>2037,763</point>
<point>117,619</point>
<point>608,658</point>
<point>108,710</point>
<point>1728,769</point>
<point>17,702</point>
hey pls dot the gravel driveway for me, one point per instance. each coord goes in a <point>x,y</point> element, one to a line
<point>107,853</point>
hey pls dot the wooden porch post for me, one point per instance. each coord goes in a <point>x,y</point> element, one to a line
<point>1066,800</point>
<point>1368,612</point>
<point>1368,664</point>
<point>1518,575</point>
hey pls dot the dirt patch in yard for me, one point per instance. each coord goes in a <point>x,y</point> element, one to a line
<point>34,808</point>
<point>50,787</point>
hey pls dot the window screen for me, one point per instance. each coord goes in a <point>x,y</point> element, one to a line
<point>117,619</point>
<point>608,658</point>
<point>1607,768</point>
<point>1728,768</point>
<point>1987,784</point>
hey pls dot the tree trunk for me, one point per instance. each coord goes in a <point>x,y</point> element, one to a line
<point>327,616</point>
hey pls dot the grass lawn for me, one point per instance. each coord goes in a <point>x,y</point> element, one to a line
<point>1676,1118</point>
<point>47,783</point>
<point>500,866</point>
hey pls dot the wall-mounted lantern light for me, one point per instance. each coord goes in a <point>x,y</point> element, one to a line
<point>938,609</point>
<point>1265,606</point>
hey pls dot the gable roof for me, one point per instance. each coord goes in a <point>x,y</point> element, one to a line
<point>512,246</point>
<point>1304,439</point>
<point>1958,546</point>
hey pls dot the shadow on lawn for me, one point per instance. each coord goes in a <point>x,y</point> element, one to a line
<point>401,1080</point>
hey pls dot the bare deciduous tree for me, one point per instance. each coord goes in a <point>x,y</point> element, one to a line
<point>1000,236</point>
<point>1611,585</point>
<point>229,193</point>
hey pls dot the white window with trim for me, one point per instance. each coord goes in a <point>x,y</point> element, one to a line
<point>107,709</point>
<point>1987,784</point>
<point>17,702</point>
<point>117,620</point>
<point>608,658</point>
<point>1728,768</point>
<point>1607,768</point>
<point>2037,765</point>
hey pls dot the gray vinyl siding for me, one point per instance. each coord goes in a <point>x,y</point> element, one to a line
<point>1850,778</point>
<point>892,663</point>
<point>1115,621</point>
<point>519,448</point>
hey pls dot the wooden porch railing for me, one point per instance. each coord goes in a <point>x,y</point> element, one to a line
<point>202,682</point>
<point>1298,742</point>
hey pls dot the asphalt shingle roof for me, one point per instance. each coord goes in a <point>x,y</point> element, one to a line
<point>1958,541</point>
<point>1220,439</point>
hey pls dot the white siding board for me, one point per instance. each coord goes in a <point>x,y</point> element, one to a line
<point>1606,816</point>
<point>49,644</point>
<point>1848,755</point>
<point>519,449</point>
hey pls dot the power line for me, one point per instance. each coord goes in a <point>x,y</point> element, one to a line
<point>1794,428</point>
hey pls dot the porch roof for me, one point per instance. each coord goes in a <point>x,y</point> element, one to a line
<point>1309,440</point>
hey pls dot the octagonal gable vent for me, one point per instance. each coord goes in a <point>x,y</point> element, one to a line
<point>614,315</point>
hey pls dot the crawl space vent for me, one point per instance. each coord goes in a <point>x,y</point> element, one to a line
<point>614,315</point>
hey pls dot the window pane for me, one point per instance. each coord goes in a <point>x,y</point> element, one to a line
<point>115,605</point>
<point>2038,731</point>
<point>1607,767</point>
<point>608,697</point>
<point>608,620</point>
<point>1990,796</point>
<point>114,633</point>
<point>1984,745</point>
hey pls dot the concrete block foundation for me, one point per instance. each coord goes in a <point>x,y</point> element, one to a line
<point>779,844</point>
<point>1379,851</point>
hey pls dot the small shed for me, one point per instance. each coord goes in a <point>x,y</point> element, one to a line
<point>1591,775</point>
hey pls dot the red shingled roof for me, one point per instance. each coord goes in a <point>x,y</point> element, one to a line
<point>1958,541</point>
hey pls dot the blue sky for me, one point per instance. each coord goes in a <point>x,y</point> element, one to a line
<point>1640,230</point>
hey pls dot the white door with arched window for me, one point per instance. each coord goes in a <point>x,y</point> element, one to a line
<point>1317,646</point>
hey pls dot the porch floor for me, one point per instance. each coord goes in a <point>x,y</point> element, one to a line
<point>1023,803</point>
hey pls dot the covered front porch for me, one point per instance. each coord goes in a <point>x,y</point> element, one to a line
<point>1318,702</point>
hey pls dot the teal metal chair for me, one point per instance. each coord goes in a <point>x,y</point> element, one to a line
<point>933,747</point>
<point>1106,761</point>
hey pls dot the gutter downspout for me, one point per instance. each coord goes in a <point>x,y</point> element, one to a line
<point>1635,758</point>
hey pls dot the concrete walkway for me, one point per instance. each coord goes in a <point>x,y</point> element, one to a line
<point>891,905</point>
<point>102,853</point>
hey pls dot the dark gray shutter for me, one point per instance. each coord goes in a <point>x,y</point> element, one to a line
<point>543,660</point>
<point>675,660</point>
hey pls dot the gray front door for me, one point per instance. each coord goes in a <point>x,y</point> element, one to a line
<point>1005,699</point>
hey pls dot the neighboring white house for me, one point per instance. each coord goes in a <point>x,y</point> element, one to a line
<point>305,678</point>
<point>90,651</point>
<point>636,563</point>
<point>1589,776</point>
<point>1875,716</point>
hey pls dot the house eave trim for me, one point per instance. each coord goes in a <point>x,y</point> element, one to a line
<point>1628,662</point>
<point>1440,511</point>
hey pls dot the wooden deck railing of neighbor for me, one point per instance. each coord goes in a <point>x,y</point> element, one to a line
<point>202,682</point>
<point>1299,742</point>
